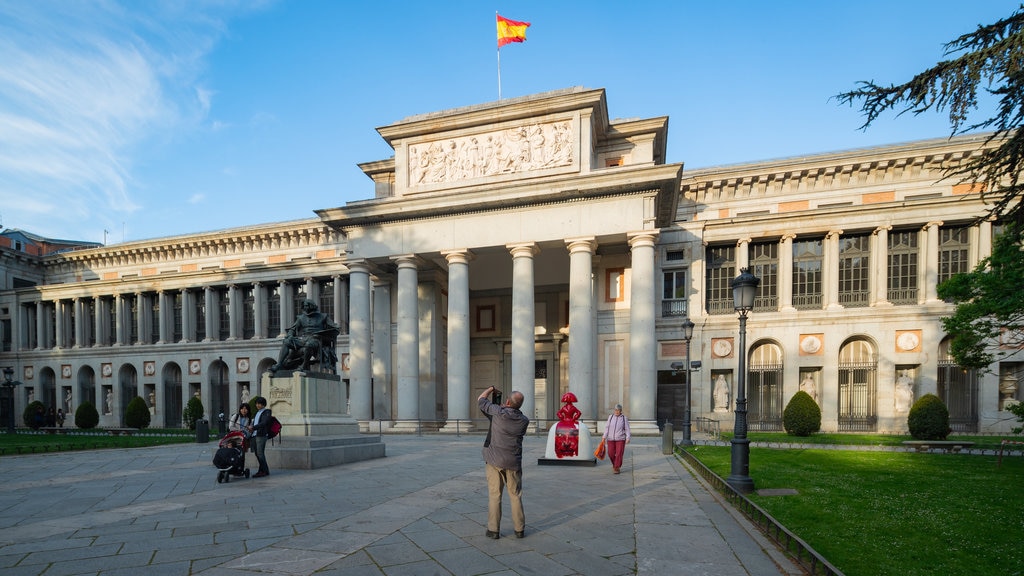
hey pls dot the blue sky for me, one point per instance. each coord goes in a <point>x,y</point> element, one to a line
<point>131,120</point>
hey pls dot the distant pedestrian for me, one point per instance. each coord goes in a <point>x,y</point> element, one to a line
<point>616,436</point>
<point>60,417</point>
<point>503,457</point>
<point>51,418</point>
<point>259,428</point>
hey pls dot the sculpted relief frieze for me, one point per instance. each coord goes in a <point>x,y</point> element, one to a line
<point>534,146</point>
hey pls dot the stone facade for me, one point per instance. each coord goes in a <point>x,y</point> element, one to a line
<point>534,244</point>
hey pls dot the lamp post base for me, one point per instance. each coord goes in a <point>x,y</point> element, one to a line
<point>739,477</point>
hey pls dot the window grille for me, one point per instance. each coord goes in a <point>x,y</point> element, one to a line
<point>953,252</point>
<point>764,263</point>
<point>721,269</point>
<point>673,295</point>
<point>903,257</point>
<point>854,271</point>
<point>958,389</point>
<point>858,370</point>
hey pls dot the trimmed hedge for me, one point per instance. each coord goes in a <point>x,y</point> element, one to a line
<point>136,415</point>
<point>86,416</point>
<point>802,416</point>
<point>929,418</point>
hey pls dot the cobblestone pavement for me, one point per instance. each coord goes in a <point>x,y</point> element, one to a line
<point>420,511</point>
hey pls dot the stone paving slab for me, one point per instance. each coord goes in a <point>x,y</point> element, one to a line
<point>419,511</point>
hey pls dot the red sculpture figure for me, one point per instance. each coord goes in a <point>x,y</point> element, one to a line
<point>567,433</point>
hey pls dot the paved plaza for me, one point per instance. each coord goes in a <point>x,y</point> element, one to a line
<point>420,511</point>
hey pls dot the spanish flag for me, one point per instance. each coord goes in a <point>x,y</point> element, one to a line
<point>510,31</point>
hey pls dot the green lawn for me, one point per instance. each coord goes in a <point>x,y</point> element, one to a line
<point>894,513</point>
<point>25,441</point>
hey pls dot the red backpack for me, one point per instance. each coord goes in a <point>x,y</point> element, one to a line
<point>273,428</point>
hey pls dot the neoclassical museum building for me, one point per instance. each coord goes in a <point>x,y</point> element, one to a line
<point>534,244</point>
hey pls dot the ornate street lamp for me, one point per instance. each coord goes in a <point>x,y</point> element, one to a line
<point>744,289</point>
<point>687,335</point>
<point>9,384</point>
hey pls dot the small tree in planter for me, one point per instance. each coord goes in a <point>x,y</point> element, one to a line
<point>193,411</point>
<point>802,416</point>
<point>136,415</point>
<point>86,416</point>
<point>929,418</point>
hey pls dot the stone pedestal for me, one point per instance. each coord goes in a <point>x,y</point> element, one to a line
<point>316,428</point>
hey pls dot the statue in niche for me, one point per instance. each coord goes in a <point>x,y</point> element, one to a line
<point>110,402</point>
<point>245,395</point>
<point>152,402</point>
<point>904,392</point>
<point>310,340</point>
<point>721,393</point>
<point>67,402</point>
<point>809,386</point>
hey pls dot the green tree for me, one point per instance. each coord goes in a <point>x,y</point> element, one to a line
<point>990,304</point>
<point>136,414</point>
<point>193,411</point>
<point>988,60</point>
<point>802,416</point>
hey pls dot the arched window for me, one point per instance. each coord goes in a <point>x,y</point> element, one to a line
<point>172,407</point>
<point>858,368</point>
<point>764,388</point>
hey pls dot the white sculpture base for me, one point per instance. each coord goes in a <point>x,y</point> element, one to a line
<point>316,429</point>
<point>584,454</point>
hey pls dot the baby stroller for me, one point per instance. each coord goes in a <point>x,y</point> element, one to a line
<point>230,456</point>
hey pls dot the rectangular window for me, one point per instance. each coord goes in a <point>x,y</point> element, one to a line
<point>854,270</point>
<point>154,319</point>
<point>177,334</point>
<point>721,269</point>
<point>327,298</point>
<point>902,265</point>
<point>953,251</point>
<point>224,306</point>
<point>200,301</point>
<point>807,263</point>
<point>614,291</point>
<point>273,311</point>
<point>131,317</point>
<point>764,263</point>
<point>248,312</point>
<point>673,293</point>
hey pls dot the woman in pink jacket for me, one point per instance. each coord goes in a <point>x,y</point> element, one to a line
<point>616,436</point>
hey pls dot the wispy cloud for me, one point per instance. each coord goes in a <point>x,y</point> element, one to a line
<point>81,86</point>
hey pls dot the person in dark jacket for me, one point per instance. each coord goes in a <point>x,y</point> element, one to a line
<point>503,457</point>
<point>258,430</point>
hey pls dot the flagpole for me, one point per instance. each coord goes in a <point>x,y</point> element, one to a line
<point>499,73</point>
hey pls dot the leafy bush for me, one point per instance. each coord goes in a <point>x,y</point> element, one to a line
<point>802,416</point>
<point>136,415</point>
<point>1017,409</point>
<point>86,416</point>
<point>193,411</point>
<point>929,418</point>
<point>29,415</point>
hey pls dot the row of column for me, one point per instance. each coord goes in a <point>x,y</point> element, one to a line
<point>583,370</point>
<point>878,280</point>
<point>32,321</point>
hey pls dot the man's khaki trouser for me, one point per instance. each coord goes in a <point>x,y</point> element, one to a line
<point>497,480</point>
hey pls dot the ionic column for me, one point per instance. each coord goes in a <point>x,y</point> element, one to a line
<point>58,317</point>
<point>259,313</point>
<point>142,317</point>
<point>312,290</point>
<point>830,272</point>
<point>360,376</point>
<point>523,353</point>
<point>188,315</point>
<point>340,303</point>
<point>458,340</point>
<point>642,343</point>
<point>234,312</point>
<point>931,262</point>
<point>381,366</point>
<point>742,253</point>
<point>166,317</point>
<point>582,331</point>
<point>407,393</point>
<point>118,320</point>
<point>880,257</point>
<point>287,309</point>
<point>78,310</point>
<point>984,242</point>
<point>786,273</point>
<point>211,321</point>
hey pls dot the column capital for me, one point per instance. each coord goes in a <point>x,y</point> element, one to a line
<point>832,234</point>
<point>743,241</point>
<point>459,256</point>
<point>523,249</point>
<point>407,261</point>
<point>642,238</point>
<point>787,236</point>
<point>581,244</point>
<point>882,228</point>
<point>932,224</point>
